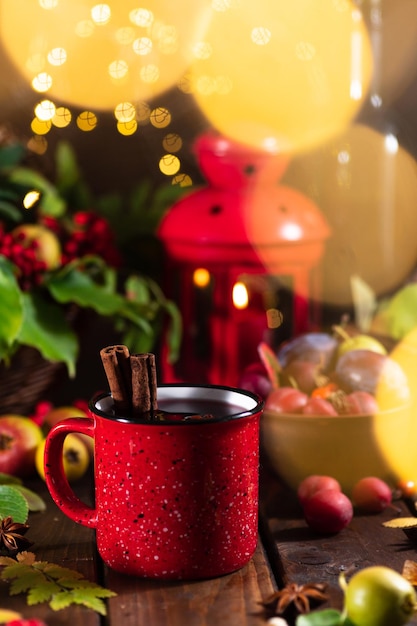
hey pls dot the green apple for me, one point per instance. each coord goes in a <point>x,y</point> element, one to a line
<point>19,438</point>
<point>361,342</point>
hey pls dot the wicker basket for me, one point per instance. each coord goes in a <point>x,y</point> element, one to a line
<point>25,381</point>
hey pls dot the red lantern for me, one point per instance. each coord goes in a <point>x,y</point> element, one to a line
<point>230,245</point>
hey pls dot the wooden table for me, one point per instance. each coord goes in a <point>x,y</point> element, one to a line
<point>287,552</point>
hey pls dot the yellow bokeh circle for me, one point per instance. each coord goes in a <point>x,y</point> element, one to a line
<point>365,184</point>
<point>283,76</point>
<point>100,54</point>
<point>169,164</point>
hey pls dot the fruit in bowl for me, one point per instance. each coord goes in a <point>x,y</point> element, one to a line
<point>351,420</point>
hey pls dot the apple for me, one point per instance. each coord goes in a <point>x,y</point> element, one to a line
<point>302,374</point>
<point>317,347</point>
<point>49,248</point>
<point>60,413</point>
<point>19,438</point>
<point>318,406</point>
<point>361,342</point>
<point>76,458</point>
<point>359,403</point>
<point>286,400</point>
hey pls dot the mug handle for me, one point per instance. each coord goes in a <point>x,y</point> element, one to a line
<point>56,480</point>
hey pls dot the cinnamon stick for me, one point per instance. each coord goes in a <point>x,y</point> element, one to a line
<point>132,379</point>
<point>116,365</point>
<point>144,383</point>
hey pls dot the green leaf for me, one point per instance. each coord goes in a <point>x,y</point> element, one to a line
<point>67,170</point>
<point>57,571</point>
<point>326,617</point>
<point>77,286</point>
<point>399,314</point>
<point>46,328</point>
<point>61,600</point>
<point>26,579</point>
<point>35,502</point>
<point>14,569</point>
<point>364,302</point>
<point>41,591</point>
<point>11,306</point>
<point>9,211</point>
<point>13,503</point>
<point>49,582</point>
<point>11,156</point>
<point>90,600</point>
<point>8,479</point>
<point>174,331</point>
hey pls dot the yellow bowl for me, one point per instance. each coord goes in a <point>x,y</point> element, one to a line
<point>345,447</point>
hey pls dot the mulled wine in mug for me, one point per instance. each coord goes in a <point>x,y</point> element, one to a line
<point>176,490</point>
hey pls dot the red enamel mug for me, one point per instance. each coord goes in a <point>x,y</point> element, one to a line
<point>175,498</point>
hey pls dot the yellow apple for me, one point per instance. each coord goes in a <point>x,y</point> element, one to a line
<point>49,248</point>
<point>76,458</point>
<point>61,413</point>
<point>19,439</point>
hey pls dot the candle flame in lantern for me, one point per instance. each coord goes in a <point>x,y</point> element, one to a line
<point>201,277</point>
<point>240,295</point>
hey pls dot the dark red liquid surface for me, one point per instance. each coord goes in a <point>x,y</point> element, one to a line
<point>178,410</point>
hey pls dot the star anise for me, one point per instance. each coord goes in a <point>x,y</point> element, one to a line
<point>297,597</point>
<point>11,536</point>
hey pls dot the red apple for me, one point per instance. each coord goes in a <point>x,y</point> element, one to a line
<point>19,438</point>
<point>318,406</point>
<point>286,400</point>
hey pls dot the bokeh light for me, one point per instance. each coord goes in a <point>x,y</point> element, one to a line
<point>201,277</point>
<point>169,164</point>
<point>87,121</point>
<point>160,117</point>
<point>283,76</point>
<point>62,117</point>
<point>96,56</point>
<point>393,33</point>
<point>365,183</point>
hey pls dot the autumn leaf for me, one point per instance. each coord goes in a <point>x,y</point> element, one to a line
<point>49,582</point>
<point>401,522</point>
<point>410,572</point>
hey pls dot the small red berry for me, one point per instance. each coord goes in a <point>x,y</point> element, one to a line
<point>313,483</point>
<point>328,511</point>
<point>371,495</point>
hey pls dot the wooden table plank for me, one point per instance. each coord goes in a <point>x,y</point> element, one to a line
<point>300,555</point>
<point>233,599</point>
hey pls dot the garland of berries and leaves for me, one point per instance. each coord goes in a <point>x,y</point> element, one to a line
<point>54,257</point>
